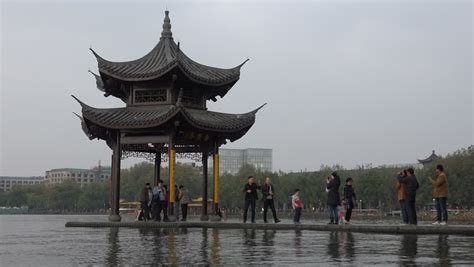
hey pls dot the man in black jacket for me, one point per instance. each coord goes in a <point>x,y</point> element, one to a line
<point>251,196</point>
<point>411,187</point>
<point>268,192</point>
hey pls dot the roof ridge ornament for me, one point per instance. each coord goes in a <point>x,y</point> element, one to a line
<point>98,81</point>
<point>243,63</point>
<point>259,108</point>
<point>166,33</point>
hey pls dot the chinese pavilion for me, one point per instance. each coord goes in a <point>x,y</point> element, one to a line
<point>165,115</point>
<point>429,159</point>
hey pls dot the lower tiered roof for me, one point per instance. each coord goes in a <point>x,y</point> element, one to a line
<point>153,117</point>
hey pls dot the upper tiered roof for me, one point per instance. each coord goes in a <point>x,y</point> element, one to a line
<point>163,58</point>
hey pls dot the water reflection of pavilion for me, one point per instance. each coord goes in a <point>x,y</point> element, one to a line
<point>249,247</point>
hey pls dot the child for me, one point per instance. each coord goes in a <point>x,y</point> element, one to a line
<point>297,206</point>
<point>349,199</point>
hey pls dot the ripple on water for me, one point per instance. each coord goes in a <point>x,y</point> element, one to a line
<point>44,241</point>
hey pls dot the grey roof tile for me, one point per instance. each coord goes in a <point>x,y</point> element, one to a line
<point>165,56</point>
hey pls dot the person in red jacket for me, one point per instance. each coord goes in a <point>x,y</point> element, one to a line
<point>297,206</point>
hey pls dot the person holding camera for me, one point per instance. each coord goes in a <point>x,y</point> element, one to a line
<point>402,192</point>
<point>411,187</point>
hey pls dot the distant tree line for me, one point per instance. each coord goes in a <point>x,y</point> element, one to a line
<point>67,196</point>
<point>373,185</point>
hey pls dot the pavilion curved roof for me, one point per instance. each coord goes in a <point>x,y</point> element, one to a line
<point>153,116</point>
<point>164,57</point>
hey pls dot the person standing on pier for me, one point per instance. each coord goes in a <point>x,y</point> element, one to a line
<point>402,192</point>
<point>159,201</point>
<point>166,204</point>
<point>176,201</point>
<point>184,201</point>
<point>145,203</point>
<point>297,206</point>
<point>268,192</point>
<point>251,196</point>
<point>332,187</point>
<point>349,199</point>
<point>412,186</point>
<point>440,194</point>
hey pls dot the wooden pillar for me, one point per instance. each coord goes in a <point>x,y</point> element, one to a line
<point>216,195</point>
<point>204,216</point>
<point>172,175</point>
<point>157,167</point>
<point>115,181</point>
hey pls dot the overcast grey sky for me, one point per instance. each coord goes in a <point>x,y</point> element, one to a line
<point>348,82</point>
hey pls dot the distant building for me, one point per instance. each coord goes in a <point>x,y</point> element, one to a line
<point>80,176</point>
<point>231,160</point>
<point>429,159</point>
<point>7,182</point>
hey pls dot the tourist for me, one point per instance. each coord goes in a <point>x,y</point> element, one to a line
<point>251,196</point>
<point>297,206</point>
<point>159,201</point>
<point>411,187</point>
<point>349,199</point>
<point>166,203</point>
<point>332,187</point>
<point>402,192</point>
<point>184,201</point>
<point>268,192</point>
<point>440,194</point>
<point>176,201</point>
<point>145,202</point>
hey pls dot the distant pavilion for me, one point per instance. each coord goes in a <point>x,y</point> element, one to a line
<point>165,94</point>
<point>429,159</point>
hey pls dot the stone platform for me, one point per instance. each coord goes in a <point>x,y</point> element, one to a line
<point>357,228</point>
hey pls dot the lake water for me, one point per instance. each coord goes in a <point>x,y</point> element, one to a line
<point>42,240</point>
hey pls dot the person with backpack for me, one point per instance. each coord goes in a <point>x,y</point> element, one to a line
<point>349,198</point>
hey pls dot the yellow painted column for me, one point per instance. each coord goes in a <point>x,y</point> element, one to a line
<point>172,174</point>
<point>216,179</point>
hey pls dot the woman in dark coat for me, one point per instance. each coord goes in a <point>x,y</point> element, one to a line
<point>334,200</point>
<point>145,203</point>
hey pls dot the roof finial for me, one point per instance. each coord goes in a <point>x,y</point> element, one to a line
<point>166,33</point>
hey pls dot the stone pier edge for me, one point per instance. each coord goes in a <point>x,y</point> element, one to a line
<point>359,228</point>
